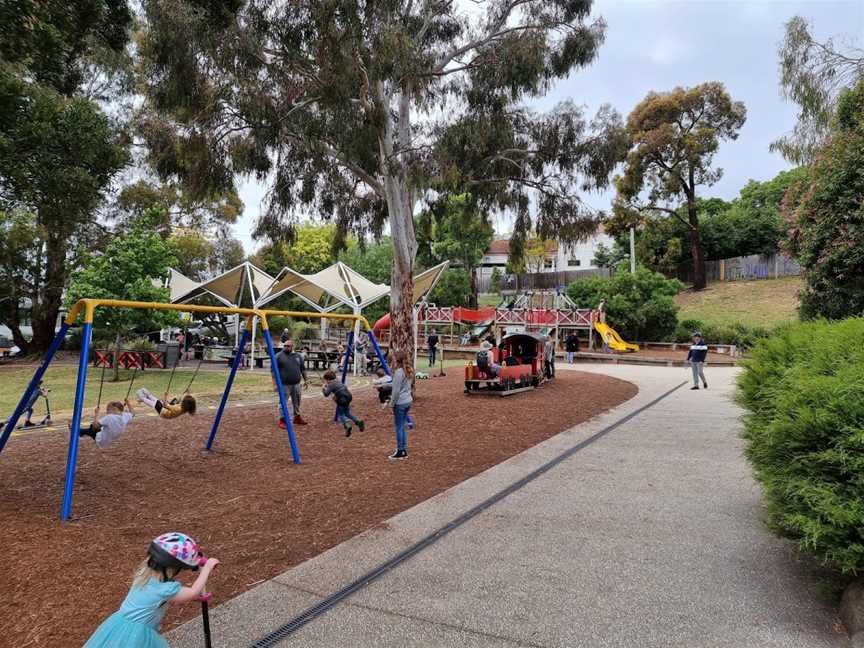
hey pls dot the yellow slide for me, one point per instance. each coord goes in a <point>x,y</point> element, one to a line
<point>615,341</point>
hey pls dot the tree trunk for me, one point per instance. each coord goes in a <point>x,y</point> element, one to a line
<point>696,250</point>
<point>46,307</point>
<point>14,323</point>
<point>472,272</point>
<point>402,275</point>
<point>400,209</point>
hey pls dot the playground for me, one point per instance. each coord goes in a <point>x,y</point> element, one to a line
<point>247,502</point>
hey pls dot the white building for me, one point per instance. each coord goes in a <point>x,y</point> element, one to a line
<point>559,257</point>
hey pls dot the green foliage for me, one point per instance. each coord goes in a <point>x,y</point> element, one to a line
<point>826,210</point>
<point>58,156</point>
<point>373,261</point>
<point>460,233</point>
<point>192,252</point>
<point>496,280</point>
<point>750,224</point>
<point>741,335</point>
<point>310,251</point>
<point>674,136</point>
<point>64,45</point>
<point>803,390</point>
<point>141,344</point>
<point>127,270</point>
<point>639,306</point>
<point>610,257</point>
<point>181,209</point>
<point>813,75</point>
<point>298,329</point>
<point>452,289</point>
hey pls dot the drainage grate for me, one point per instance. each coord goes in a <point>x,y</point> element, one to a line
<point>283,632</point>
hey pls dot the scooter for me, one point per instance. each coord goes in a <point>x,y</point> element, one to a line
<point>45,422</point>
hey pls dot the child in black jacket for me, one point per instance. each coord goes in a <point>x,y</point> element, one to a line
<point>696,358</point>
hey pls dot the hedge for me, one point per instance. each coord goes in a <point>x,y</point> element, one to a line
<point>803,392</point>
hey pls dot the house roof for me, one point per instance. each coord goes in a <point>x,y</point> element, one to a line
<point>502,246</point>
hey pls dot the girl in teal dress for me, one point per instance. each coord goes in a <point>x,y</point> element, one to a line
<point>136,623</point>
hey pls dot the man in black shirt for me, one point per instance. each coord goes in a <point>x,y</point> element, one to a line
<point>571,346</point>
<point>432,342</point>
<point>291,370</point>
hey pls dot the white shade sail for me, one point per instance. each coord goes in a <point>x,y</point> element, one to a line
<point>337,285</point>
<point>245,283</point>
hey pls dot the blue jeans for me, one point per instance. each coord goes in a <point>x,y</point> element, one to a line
<point>343,414</point>
<point>400,416</point>
<point>432,352</point>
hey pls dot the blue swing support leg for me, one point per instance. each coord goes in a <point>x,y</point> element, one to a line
<point>283,404</point>
<point>379,353</point>
<point>235,364</point>
<point>12,421</point>
<point>72,457</point>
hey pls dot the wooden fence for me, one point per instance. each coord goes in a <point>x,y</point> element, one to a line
<point>755,266</point>
<point>539,280</point>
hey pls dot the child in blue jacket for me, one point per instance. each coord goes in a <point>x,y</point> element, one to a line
<point>696,358</point>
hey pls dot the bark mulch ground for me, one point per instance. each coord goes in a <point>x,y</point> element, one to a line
<point>245,503</point>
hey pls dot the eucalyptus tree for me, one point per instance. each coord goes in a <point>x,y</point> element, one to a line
<point>673,138</point>
<point>813,74</point>
<point>362,111</point>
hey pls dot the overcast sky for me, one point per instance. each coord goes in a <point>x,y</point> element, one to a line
<point>660,44</point>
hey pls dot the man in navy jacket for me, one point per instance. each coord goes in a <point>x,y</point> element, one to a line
<point>696,358</point>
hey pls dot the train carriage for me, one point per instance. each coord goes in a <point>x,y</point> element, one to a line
<point>516,365</point>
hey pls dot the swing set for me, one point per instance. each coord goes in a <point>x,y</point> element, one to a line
<point>88,308</point>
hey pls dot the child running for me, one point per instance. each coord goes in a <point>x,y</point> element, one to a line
<point>137,621</point>
<point>165,408</point>
<point>384,385</point>
<point>342,395</point>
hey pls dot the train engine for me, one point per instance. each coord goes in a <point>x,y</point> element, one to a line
<point>514,366</point>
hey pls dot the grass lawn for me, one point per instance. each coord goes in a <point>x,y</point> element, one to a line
<point>765,303</point>
<point>208,386</point>
<point>488,299</point>
<point>60,379</point>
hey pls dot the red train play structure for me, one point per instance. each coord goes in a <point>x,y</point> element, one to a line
<point>515,366</point>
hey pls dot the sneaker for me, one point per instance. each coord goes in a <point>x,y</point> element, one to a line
<point>347,429</point>
<point>282,423</point>
<point>361,425</point>
<point>694,387</point>
<point>298,420</point>
<point>410,426</point>
<point>88,431</point>
<point>29,424</point>
<point>399,454</point>
<point>704,385</point>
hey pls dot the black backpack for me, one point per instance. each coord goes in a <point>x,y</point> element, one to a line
<point>483,360</point>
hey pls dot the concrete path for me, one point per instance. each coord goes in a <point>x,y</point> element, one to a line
<point>650,536</point>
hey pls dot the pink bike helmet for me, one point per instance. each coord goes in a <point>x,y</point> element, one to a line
<point>175,550</point>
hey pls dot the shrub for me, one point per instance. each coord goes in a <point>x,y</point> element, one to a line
<point>741,335</point>
<point>803,390</point>
<point>140,344</point>
<point>639,305</point>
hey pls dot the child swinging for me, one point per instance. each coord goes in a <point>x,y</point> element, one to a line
<point>165,407</point>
